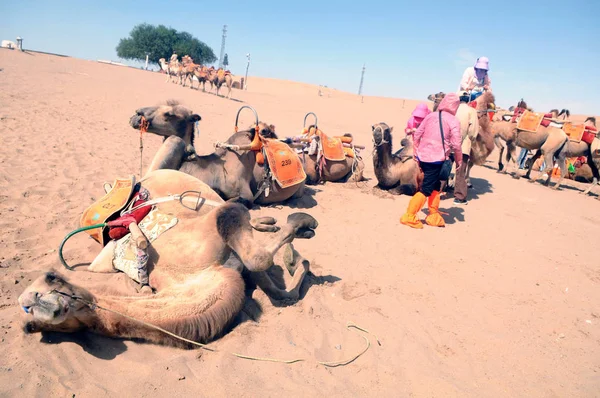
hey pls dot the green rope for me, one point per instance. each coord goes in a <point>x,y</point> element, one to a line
<point>60,248</point>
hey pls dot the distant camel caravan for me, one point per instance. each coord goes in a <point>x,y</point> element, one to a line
<point>187,69</point>
<point>192,293</point>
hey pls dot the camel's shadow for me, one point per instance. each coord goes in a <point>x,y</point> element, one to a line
<point>453,215</point>
<point>480,187</point>
<point>306,201</point>
<point>100,347</point>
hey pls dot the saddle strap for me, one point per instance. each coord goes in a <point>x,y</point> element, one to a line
<point>180,198</point>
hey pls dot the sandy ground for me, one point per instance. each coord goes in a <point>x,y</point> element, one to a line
<point>503,302</point>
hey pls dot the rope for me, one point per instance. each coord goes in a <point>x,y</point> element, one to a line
<point>349,325</point>
<point>144,124</point>
<point>78,230</point>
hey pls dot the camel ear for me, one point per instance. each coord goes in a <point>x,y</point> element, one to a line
<point>272,127</point>
<point>391,128</point>
<point>372,127</point>
<point>194,118</point>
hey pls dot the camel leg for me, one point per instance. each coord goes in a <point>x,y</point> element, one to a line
<point>595,172</point>
<point>549,162</point>
<point>511,151</point>
<point>532,161</point>
<point>233,224</point>
<point>561,159</point>
<point>293,261</point>
<point>501,148</point>
<point>468,175</point>
<point>169,156</point>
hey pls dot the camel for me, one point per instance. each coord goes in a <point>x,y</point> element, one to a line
<point>218,77</point>
<point>575,149</point>
<point>399,172</point>
<point>234,174</point>
<point>164,66</point>
<point>475,127</point>
<point>197,297</point>
<point>317,166</point>
<point>551,141</point>
<point>174,69</point>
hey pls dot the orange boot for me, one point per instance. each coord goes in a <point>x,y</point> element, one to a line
<point>434,218</point>
<point>414,206</point>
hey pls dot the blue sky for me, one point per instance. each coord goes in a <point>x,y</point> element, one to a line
<point>544,51</point>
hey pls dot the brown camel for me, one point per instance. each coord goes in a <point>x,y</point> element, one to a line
<point>196,297</point>
<point>234,174</point>
<point>397,172</point>
<point>317,166</point>
<point>551,141</point>
<point>188,68</point>
<point>220,76</point>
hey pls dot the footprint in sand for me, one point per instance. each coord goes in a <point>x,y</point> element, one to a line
<point>358,289</point>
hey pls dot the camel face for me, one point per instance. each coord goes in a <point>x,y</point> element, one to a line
<point>48,307</point>
<point>166,120</point>
<point>265,130</point>
<point>381,133</point>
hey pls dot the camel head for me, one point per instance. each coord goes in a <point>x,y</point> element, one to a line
<point>49,301</point>
<point>167,120</point>
<point>382,133</point>
<point>436,98</point>
<point>265,130</point>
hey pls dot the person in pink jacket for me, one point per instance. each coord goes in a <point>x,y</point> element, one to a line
<point>417,117</point>
<point>431,151</point>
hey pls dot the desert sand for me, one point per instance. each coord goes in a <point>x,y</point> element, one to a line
<point>503,302</point>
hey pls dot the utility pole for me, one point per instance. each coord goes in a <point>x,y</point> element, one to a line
<point>362,77</point>
<point>222,46</point>
<point>246,78</point>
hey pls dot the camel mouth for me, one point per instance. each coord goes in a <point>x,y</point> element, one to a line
<point>136,121</point>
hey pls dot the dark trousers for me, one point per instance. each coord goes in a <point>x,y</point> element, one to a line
<point>460,181</point>
<point>431,178</point>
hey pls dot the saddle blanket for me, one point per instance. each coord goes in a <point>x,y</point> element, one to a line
<point>284,163</point>
<point>152,226</point>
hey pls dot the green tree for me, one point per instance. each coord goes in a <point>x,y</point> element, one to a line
<point>161,42</point>
<point>225,60</point>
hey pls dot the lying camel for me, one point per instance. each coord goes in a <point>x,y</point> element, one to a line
<point>397,172</point>
<point>232,174</point>
<point>196,296</point>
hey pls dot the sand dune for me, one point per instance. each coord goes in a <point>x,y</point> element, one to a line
<point>502,302</point>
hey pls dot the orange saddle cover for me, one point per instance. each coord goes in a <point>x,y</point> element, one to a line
<point>284,163</point>
<point>530,121</point>
<point>333,149</point>
<point>111,203</point>
<point>575,132</point>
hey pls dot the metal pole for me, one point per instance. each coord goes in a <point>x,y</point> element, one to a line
<point>246,78</point>
<point>222,46</point>
<point>362,77</point>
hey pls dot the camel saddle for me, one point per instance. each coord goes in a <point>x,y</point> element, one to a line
<point>107,207</point>
<point>285,165</point>
<point>333,147</point>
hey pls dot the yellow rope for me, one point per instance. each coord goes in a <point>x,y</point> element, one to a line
<point>204,346</point>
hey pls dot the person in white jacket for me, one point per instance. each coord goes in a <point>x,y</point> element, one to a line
<point>475,79</point>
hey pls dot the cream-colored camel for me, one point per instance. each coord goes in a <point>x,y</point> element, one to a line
<point>576,149</point>
<point>164,66</point>
<point>476,130</point>
<point>196,296</point>
<point>175,69</point>
<point>233,174</point>
<point>397,172</point>
<point>551,141</point>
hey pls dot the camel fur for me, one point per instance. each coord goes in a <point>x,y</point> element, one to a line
<point>196,297</point>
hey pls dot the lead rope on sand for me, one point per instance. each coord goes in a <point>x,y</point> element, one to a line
<point>331,364</point>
